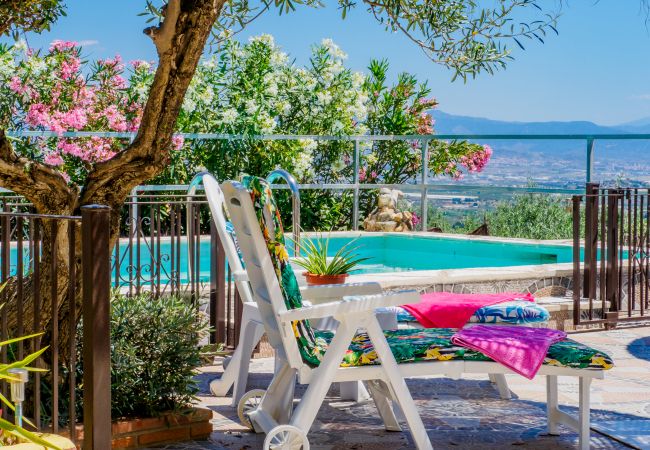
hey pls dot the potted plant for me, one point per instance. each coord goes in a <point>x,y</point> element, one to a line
<point>321,269</point>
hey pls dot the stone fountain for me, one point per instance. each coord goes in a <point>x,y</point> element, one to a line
<point>386,216</point>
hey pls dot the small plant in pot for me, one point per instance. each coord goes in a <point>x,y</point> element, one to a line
<point>321,269</point>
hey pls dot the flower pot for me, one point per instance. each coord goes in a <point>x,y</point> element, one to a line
<point>320,279</point>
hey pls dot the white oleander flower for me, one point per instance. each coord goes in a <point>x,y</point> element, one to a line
<point>267,123</point>
<point>272,90</point>
<point>358,79</point>
<point>208,94</point>
<point>37,65</point>
<point>308,145</point>
<point>324,98</point>
<point>250,107</point>
<point>265,39</point>
<point>279,58</point>
<point>20,46</point>
<point>229,116</point>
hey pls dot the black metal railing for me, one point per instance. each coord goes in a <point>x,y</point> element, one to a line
<point>613,284</point>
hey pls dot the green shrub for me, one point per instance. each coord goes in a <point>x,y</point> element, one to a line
<point>532,216</point>
<point>155,352</point>
<point>154,355</point>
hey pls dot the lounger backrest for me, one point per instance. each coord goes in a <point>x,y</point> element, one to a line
<point>275,289</point>
<point>226,232</point>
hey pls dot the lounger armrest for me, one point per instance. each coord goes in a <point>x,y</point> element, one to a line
<point>350,304</point>
<point>325,294</point>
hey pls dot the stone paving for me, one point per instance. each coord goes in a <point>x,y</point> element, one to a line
<point>466,413</point>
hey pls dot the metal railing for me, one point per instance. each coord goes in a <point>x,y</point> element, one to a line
<point>615,282</point>
<point>423,184</point>
<point>31,266</point>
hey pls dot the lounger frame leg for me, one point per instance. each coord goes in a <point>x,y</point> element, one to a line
<point>556,416</point>
<point>236,373</point>
<point>382,397</point>
<point>551,404</point>
<point>353,390</point>
<point>276,406</point>
<point>499,379</point>
<point>397,384</point>
<point>321,378</point>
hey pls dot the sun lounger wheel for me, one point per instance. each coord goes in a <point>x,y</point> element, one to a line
<point>249,402</point>
<point>286,437</point>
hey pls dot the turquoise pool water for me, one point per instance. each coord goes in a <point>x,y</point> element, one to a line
<point>396,253</point>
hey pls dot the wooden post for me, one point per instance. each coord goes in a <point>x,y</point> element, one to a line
<point>95,233</point>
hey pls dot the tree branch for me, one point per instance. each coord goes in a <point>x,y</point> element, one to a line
<point>42,185</point>
<point>163,34</point>
<point>179,50</point>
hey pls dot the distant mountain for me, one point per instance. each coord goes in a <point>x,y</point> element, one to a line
<point>453,124</point>
<point>636,126</point>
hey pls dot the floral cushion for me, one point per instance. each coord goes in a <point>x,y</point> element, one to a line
<point>515,312</point>
<point>434,344</point>
<point>268,216</point>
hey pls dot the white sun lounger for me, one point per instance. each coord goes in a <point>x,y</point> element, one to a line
<point>272,411</point>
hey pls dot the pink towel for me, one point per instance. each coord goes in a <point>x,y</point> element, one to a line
<point>448,310</point>
<point>521,349</point>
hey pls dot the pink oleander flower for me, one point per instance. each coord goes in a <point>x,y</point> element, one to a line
<point>178,141</point>
<point>118,82</point>
<point>38,115</point>
<point>362,174</point>
<point>16,85</point>
<point>53,159</point>
<point>116,120</point>
<point>75,119</point>
<point>61,46</point>
<point>415,219</point>
<point>476,161</point>
<point>70,68</point>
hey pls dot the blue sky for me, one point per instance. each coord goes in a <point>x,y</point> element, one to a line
<point>597,69</point>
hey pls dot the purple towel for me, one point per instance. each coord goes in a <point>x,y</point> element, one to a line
<point>521,349</point>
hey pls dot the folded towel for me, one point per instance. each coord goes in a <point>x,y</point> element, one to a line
<point>521,349</point>
<point>449,310</point>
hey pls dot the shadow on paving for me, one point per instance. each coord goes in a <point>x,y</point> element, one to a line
<point>640,348</point>
<point>458,414</point>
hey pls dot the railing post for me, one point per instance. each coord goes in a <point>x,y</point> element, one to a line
<point>590,159</point>
<point>95,237</point>
<point>424,180</point>
<point>577,288</point>
<point>591,240</point>
<point>355,204</point>
<point>612,284</point>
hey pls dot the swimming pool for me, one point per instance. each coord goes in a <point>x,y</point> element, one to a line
<point>387,253</point>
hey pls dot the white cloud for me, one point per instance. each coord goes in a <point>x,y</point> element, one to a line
<point>88,42</point>
<point>641,97</point>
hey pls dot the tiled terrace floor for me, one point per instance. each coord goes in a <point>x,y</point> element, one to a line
<point>467,413</point>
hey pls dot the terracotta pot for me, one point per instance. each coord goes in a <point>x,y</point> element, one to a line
<point>319,279</point>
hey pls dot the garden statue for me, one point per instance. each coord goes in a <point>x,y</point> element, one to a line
<point>386,216</point>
